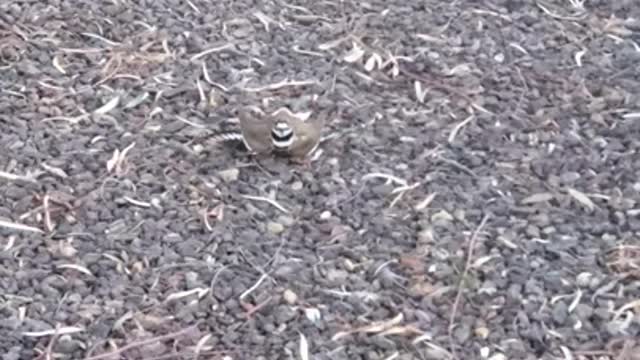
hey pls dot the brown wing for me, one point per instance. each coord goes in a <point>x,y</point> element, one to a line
<point>256,130</point>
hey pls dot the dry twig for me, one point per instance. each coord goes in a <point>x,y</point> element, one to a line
<point>136,344</point>
<point>467,266</point>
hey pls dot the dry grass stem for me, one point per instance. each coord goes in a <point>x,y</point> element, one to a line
<point>267,200</point>
<point>19,227</point>
<point>139,203</point>
<point>467,266</point>
<point>457,128</point>
<point>60,331</point>
<point>401,191</point>
<point>189,122</point>
<point>266,20</point>
<point>191,5</point>
<point>207,78</point>
<point>560,17</point>
<point>70,119</point>
<point>110,105</point>
<point>118,160</point>
<point>212,50</point>
<point>426,202</point>
<point>253,288</point>
<point>280,85</point>
<point>101,38</point>
<point>76,267</point>
<point>47,214</point>
<point>170,336</point>
<point>389,178</point>
<point>201,292</point>
<point>304,347</point>
<point>297,49</point>
<point>14,177</point>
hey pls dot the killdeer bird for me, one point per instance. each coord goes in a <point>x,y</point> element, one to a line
<point>281,132</point>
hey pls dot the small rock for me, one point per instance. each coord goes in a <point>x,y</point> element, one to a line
<point>326,215</point>
<point>66,249</point>
<point>441,216</point>
<point>583,311</point>
<point>559,313</point>
<point>481,332</point>
<point>337,275</point>
<point>297,186</point>
<point>459,214</point>
<point>66,345</point>
<point>290,297</point>
<point>313,314</point>
<point>462,333</point>
<point>191,279</point>
<point>241,33</point>
<point>229,175</point>
<point>601,314</point>
<point>198,149</point>
<point>382,190</point>
<point>569,177</point>
<point>275,228</point>
<point>425,236</point>
<point>533,231</point>
<point>284,314</point>
<point>285,220</point>
<point>349,265</point>
<point>583,279</point>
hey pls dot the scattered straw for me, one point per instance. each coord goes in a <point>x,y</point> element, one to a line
<point>191,5</point>
<point>467,266</point>
<point>267,200</point>
<point>135,202</point>
<point>426,202</point>
<point>14,177</point>
<point>253,288</point>
<point>201,292</point>
<point>110,105</point>
<point>115,353</point>
<point>101,38</point>
<point>20,227</point>
<point>280,85</point>
<point>76,267</point>
<point>212,50</point>
<point>456,129</point>
<point>207,78</point>
<point>304,347</point>
<point>560,17</point>
<point>47,214</point>
<point>389,178</point>
<point>266,20</point>
<point>189,122</point>
<point>118,160</point>
<point>401,191</point>
<point>60,331</point>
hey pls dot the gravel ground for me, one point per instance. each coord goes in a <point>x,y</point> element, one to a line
<point>477,194</point>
